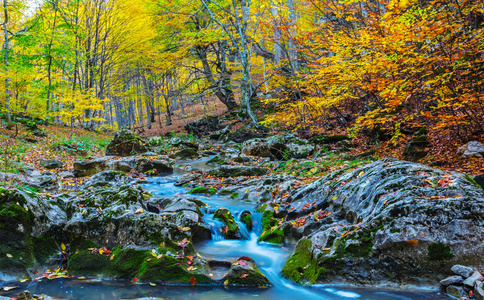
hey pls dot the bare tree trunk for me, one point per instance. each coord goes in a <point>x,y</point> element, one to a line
<point>7,80</point>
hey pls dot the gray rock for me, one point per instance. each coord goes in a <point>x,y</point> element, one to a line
<point>463,271</point>
<point>478,290</point>
<point>47,178</point>
<point>475,277</point>
<point>452,280</point>
<point>107,178</point>
<point>186,178</point>
<point>51,164</point>
<point>66,174</point>
<point>471,149</point>
<point>387,220</point>
<point>456,291</point>
<point>149,153</point>
<point>89,168</point>
<point>256,147</point>
<point>186,153</point>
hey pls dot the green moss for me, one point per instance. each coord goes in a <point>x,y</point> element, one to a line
<point>234,195</point>
<point>185,153</point>
<point>227,218</point>
<point>203,190</point>
<point>80,243</point>
<point>224,192</point>
<point>168,270</point>
<point>299,266</point>
<point>262,208</point>
<point>44,248</point>
<point>272,236</point>
<point>246,218</point>
<point>86,263</point>
<point>126,263</point>
<point>439,251</point>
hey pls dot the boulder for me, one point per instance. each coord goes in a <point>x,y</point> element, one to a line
<point>143,165</point>
<point>256,147</point>
<point>399,221</point>
<point>51,164</point>
<point>231,229</point>
<point>126,143</point>
<point>204,126</point>
<point>107,178</point>
<point>244,272</point>
<point>471,149</point>
<point>186,153</point>
<point>475,277</point>
<point>66,174</point>
<point>462,271</point>
<point>452,280</point>
<point>187,178</point>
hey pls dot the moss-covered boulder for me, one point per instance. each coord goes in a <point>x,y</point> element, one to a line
<point>203,190</point>
<point>143,165</point>
<point>168,264</point>
<point>246,218</point>
<point>28,224</point>
<point>186,153</point>
<point>271,231</point>
<point>126,143</point>
<point>231,229</point>
<point>388,221</point>
<point>244,272</point>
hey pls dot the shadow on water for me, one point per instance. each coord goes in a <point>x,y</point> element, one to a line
<point>270,259</point>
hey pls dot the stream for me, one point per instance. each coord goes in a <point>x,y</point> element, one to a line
<point>269,258</point>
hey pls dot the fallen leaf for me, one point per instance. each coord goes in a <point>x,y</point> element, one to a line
<point>81,277</point>
<point>8,288</point>
<point>226,282</point>
<point>193,281</point>
<point>63,247</point>
<point>159,256</point>
<point>111,258</point>
<point>139,211</point>
<point>244,276</point>
<point>101,251</point>
<point>9,255</point>
<point>412,242</point>
<point>149,259</point>
<point>134,280</point>
<point>152,284</point>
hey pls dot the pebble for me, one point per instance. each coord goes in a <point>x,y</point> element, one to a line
<point>463,271</point>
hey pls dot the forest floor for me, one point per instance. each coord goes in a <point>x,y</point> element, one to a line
<point>20,148</point>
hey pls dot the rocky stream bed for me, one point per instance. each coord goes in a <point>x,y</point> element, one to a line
<point>220,225</point>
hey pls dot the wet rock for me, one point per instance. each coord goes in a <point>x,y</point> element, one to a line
<point>479,179</point>
<point>416,148</point>
<point>456,291</point>
<point>235,171</point>
<point>204,126</point>
<point>462,270</point>
<point>187,178</point>
<point>126,143</point>
<point>381,218</point>
<point>231,229</point>
<point>246,218</point>
<point>246,133</point>
<point>51,164</point>
<point>25,296</point>
<point>471,149</point>
<point>475,277</point>
<point>452,280</point>
<point>244,272</point>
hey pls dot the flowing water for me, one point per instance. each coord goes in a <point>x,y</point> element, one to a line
<point>270,260</point>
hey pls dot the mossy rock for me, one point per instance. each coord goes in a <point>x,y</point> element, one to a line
<point>232,230</point>
<point>246,218</point>
<point>244,272</point>
<point>224,192</point>
<point>321,139</point>
<point>185,154</point>
<point>126,143</point>
<point>439,251</point>
<point>299,266</point>
<point>202,190</point>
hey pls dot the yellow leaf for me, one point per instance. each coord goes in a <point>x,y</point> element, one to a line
<point>152,284</point>
<point>111,258</point>
<point>226,282</point>
<point>361,174</point>
<point>101,251</point>
<point>63,247</point>
<point>9,255</point>
<point>81,277</point>
<point>334,198</point>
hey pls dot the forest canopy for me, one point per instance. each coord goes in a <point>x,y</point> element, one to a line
<point>390,67</point>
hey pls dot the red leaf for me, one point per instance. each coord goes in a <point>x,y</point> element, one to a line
<point>134,280</point>
<point>193,281</point>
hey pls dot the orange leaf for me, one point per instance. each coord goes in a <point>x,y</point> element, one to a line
<point>412,242</point>
<point>193,281</point>
<point>134,280</point>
